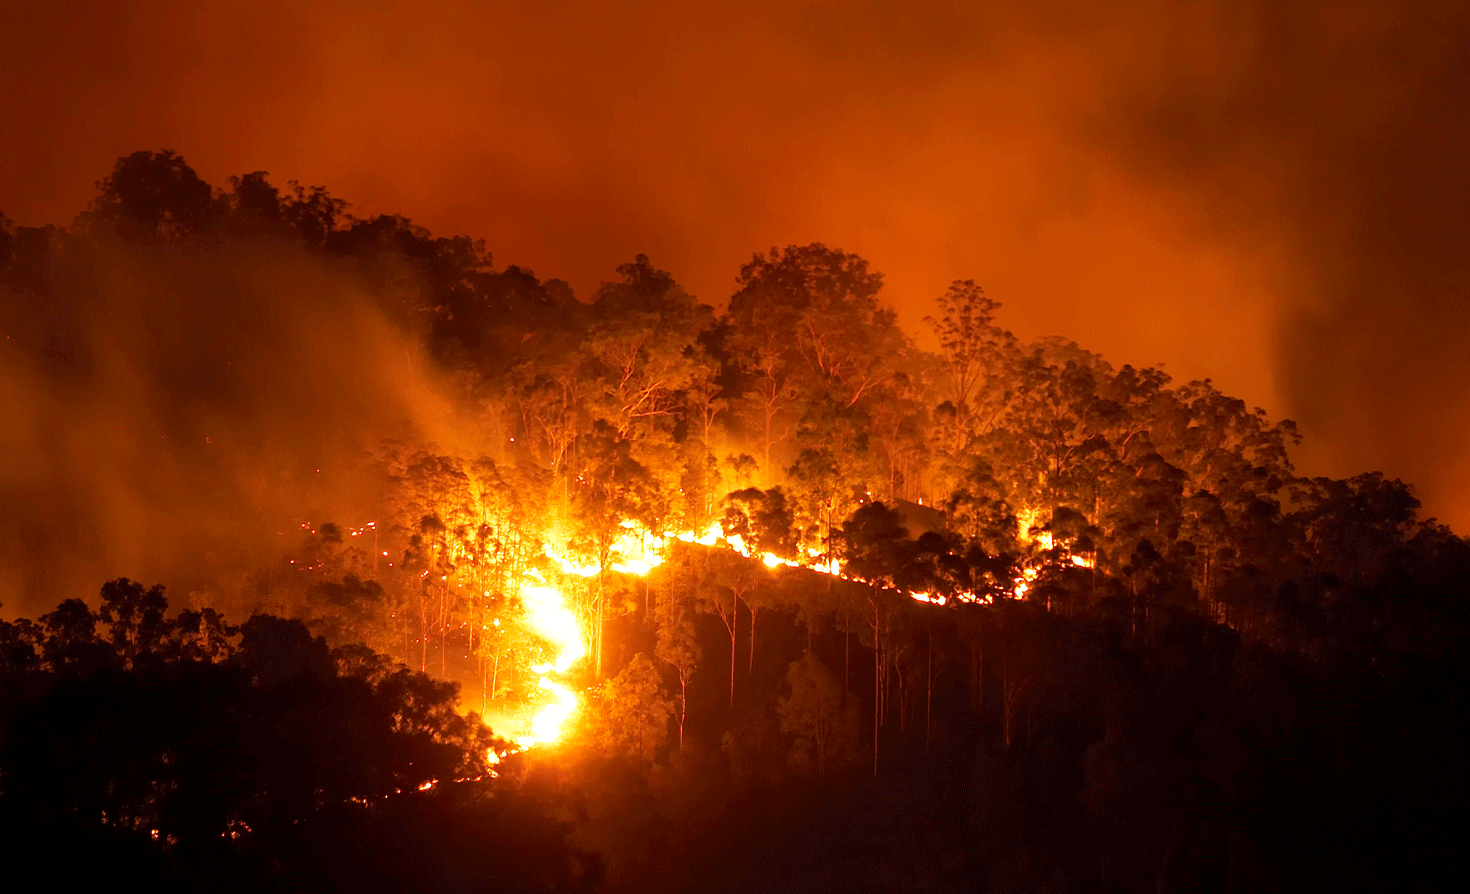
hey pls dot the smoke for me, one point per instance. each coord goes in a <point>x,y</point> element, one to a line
<point>1333,139</point>
<point>1268,194</point>
<point>173,415</point>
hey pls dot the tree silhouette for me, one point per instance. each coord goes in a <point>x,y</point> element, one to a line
<point>818,716</point>
<point>153,196</point>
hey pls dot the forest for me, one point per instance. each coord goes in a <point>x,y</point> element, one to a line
<point>452,579</point>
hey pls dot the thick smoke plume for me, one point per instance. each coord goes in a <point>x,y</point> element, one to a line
<point>1331,138</point>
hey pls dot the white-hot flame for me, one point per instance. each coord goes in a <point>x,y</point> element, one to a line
<point>551,619</point>
<point>550,722</point>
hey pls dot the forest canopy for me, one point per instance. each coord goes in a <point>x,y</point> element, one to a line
<point>797,550</point>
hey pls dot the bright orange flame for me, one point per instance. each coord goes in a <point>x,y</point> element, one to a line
<point>552,620</point>
<point>637,552</point>
<point>549,723</point>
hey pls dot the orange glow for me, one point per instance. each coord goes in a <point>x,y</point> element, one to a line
<point>551,619</point>
<point>637,552</point>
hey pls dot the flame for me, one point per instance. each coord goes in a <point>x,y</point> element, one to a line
<point>637,551</point>
<point>550,721</point>
<point>551,619</point>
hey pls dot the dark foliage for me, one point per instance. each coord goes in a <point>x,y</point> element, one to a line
<point>278,765</point>
<point>1143,654</point>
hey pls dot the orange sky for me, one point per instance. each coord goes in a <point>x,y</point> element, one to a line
<point>1191,184</point>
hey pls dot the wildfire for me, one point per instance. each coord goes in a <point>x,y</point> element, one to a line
<point>551,619</point>
<point>637,551</point>
<point>549,723</point>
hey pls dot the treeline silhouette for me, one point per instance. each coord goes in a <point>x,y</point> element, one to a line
<point>187,753</point>
<point>1164,661</point>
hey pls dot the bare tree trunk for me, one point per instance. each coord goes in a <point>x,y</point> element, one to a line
<point>683,704</point>
<point>980,707</point>
<point>495,675</point>
<point>597,633</point>
<point>877,684</point>
<point>732,626</point>
<point>875,710</point>
<point>903,699</point>
<point>928,690</point>
<point>423,632</point>
<point>846,649</point>
<point>477,619</point>
<point>734,631</point>
<point>974,680</point>
<point>750,666</point>
<point>887,665</point>
<point>1007,702</point>
<point>1133,612</point>
<point>1011,689</point>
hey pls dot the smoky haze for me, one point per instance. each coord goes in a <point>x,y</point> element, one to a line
<point>185,410</point>
<point>1270,195</point>
<point>1333,138</point>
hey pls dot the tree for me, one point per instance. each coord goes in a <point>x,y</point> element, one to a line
<point>434,511</point>
<point>276,651</point>
<point>721,592</point>
<point>817,715</point>
<point>762,519</point>
<point>875,548</point>
<point>635,711</point>
<point>823,492</point>
<point>1353,524</point>
<point>19,648</point>
<point>202,635</point>
<point>974,352</point>
<point>7,242</point>
<point>678,643</point>
<point>135,617</point>
<point>896,445</point>
<point>352,611</point>
<point>504,645</point>
<point>153,196</point>
<point>806,325</point>
<point>615,490</point>
<point>71,641</point>
<point>644,345</point>
<point>255,205</point>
